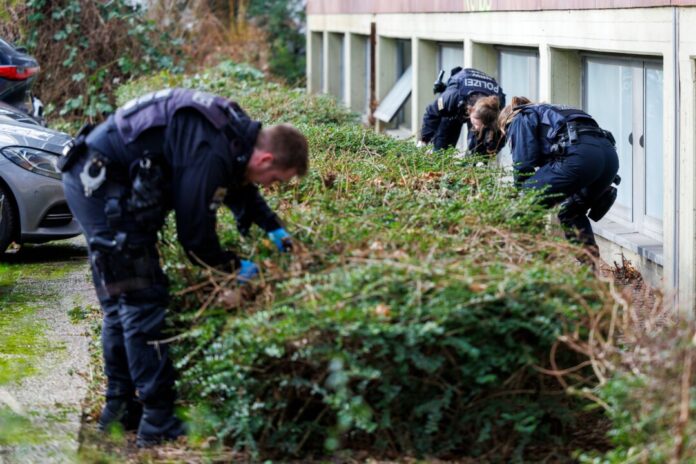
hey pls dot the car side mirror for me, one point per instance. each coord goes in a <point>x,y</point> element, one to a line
<point>21,49</point>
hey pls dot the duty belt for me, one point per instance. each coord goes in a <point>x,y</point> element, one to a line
<point>571,136</point>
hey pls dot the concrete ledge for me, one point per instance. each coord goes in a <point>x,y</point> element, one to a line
<point>645,253</point>
<point>401,133</point>
<point>640,244</point>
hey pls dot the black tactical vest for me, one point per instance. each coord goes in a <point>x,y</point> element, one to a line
<point>470,81</point>
<point>554,118</point>
<point>156,109</point>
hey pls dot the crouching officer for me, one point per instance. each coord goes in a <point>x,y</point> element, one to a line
<point>576,160</point>
<point>174,149</point>
<point>443,119</point>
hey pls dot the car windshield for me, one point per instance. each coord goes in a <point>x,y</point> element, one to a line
<point>6,50</point>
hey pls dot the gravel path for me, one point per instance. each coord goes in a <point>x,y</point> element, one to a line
<point>52,398</point>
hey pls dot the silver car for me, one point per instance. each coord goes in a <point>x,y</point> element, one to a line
<point>32,203</point>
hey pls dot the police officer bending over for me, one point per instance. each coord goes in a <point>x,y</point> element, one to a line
<point>443,119</point>
<point>576,161</point>
<point>174,149</point>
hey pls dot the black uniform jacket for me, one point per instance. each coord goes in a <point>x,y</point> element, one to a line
<point>207,171</point>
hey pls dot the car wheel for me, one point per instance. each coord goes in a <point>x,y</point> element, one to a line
<point>7,220</point>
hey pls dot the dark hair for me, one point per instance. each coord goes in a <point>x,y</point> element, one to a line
<point>288,146</point>
<point>487,109</point>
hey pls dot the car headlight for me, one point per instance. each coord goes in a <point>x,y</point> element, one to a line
<point>34,160</point>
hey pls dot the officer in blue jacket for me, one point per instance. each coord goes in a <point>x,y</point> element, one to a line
<point>180,150</point>
<point>563,151</point>
<point>443,118</point>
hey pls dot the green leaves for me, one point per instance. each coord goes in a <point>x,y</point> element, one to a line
<point>425,292</point>
<point>85,47</point>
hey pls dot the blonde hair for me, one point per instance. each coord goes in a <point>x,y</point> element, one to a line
<point>509,112</point>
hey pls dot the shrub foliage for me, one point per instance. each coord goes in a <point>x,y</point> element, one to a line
<point>86,48</point>
<point>419,312</point>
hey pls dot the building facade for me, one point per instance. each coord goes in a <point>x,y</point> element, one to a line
<point>630,63</point>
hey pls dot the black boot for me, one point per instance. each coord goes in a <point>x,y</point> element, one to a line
<point>157,426</point>
<point>123,411</point>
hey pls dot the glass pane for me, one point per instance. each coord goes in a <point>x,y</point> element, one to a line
<point>519,76</point>
<point>519,73</point>
<point>403,65</point>
<point>449,56</point>
<point>653,140</point>
<point>608,96</point>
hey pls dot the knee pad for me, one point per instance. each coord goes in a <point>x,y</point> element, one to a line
<point>603,204</point>
<point>573,207</point>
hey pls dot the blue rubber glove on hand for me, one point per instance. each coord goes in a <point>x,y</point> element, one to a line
<point>247,271</point>
<point>281,238</point>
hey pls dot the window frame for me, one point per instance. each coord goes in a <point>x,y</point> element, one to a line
<point>637,219</point>
<point>504,157</point>
<point>528,52</point>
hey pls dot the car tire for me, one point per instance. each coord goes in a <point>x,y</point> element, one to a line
<point>7,220</point>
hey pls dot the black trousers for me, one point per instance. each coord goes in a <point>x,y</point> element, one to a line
<point>132,319</point>
<point>577,178</point>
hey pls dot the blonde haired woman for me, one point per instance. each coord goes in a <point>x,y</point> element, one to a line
<point>563,151</point>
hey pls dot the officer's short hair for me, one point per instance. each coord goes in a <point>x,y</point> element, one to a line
<point>288,146</point>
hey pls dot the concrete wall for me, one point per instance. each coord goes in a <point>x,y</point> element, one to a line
<point>560,37</point>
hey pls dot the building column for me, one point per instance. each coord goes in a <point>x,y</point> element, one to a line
<point>565,76</point>
<point>356,77</point>
<point>334,69</point>
<point>686,247</point>
<point>424,59</point>
<point>315,68</point>
<point>385,67</point>
<point>483,57</point>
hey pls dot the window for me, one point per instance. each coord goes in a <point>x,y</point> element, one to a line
<point>625,97</point>
<point>449,55</point>
<point>403,65</point>
<point>518,69</point>
<point>396,98</point>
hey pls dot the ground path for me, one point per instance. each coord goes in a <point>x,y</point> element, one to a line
<point>45,304</point>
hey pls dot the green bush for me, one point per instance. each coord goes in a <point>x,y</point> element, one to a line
<point>86,48</point>
<point>421,304</point>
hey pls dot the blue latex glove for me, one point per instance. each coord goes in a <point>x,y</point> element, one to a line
<point>247,271</point>
<point>281,238</point>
